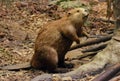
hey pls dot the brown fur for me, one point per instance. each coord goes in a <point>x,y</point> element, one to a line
<point>55,39</point>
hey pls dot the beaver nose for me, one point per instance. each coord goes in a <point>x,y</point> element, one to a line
<point>86,12</point>
<point>86,15</point>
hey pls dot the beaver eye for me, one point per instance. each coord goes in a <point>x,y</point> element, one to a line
<point>78,10</point>
<point>69,14</point>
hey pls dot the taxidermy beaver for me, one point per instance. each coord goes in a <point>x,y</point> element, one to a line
<point>54,40</point>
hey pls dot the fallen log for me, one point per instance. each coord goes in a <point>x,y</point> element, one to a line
<point>109,73</point>
<point>90,42</point>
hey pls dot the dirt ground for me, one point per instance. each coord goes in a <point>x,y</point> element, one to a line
<point>19,26</point>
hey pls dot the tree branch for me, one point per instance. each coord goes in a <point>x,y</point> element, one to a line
<point>95,48</point>
<point>90,42</point>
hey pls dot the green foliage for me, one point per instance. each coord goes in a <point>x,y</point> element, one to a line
<point>73,4</point>
<point>58,2</point>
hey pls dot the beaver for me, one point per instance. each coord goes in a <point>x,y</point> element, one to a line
<point>55,39</point>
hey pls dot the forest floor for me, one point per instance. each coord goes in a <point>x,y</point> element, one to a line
<point>19,25</point>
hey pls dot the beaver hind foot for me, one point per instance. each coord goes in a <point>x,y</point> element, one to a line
<point>45,58</point>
